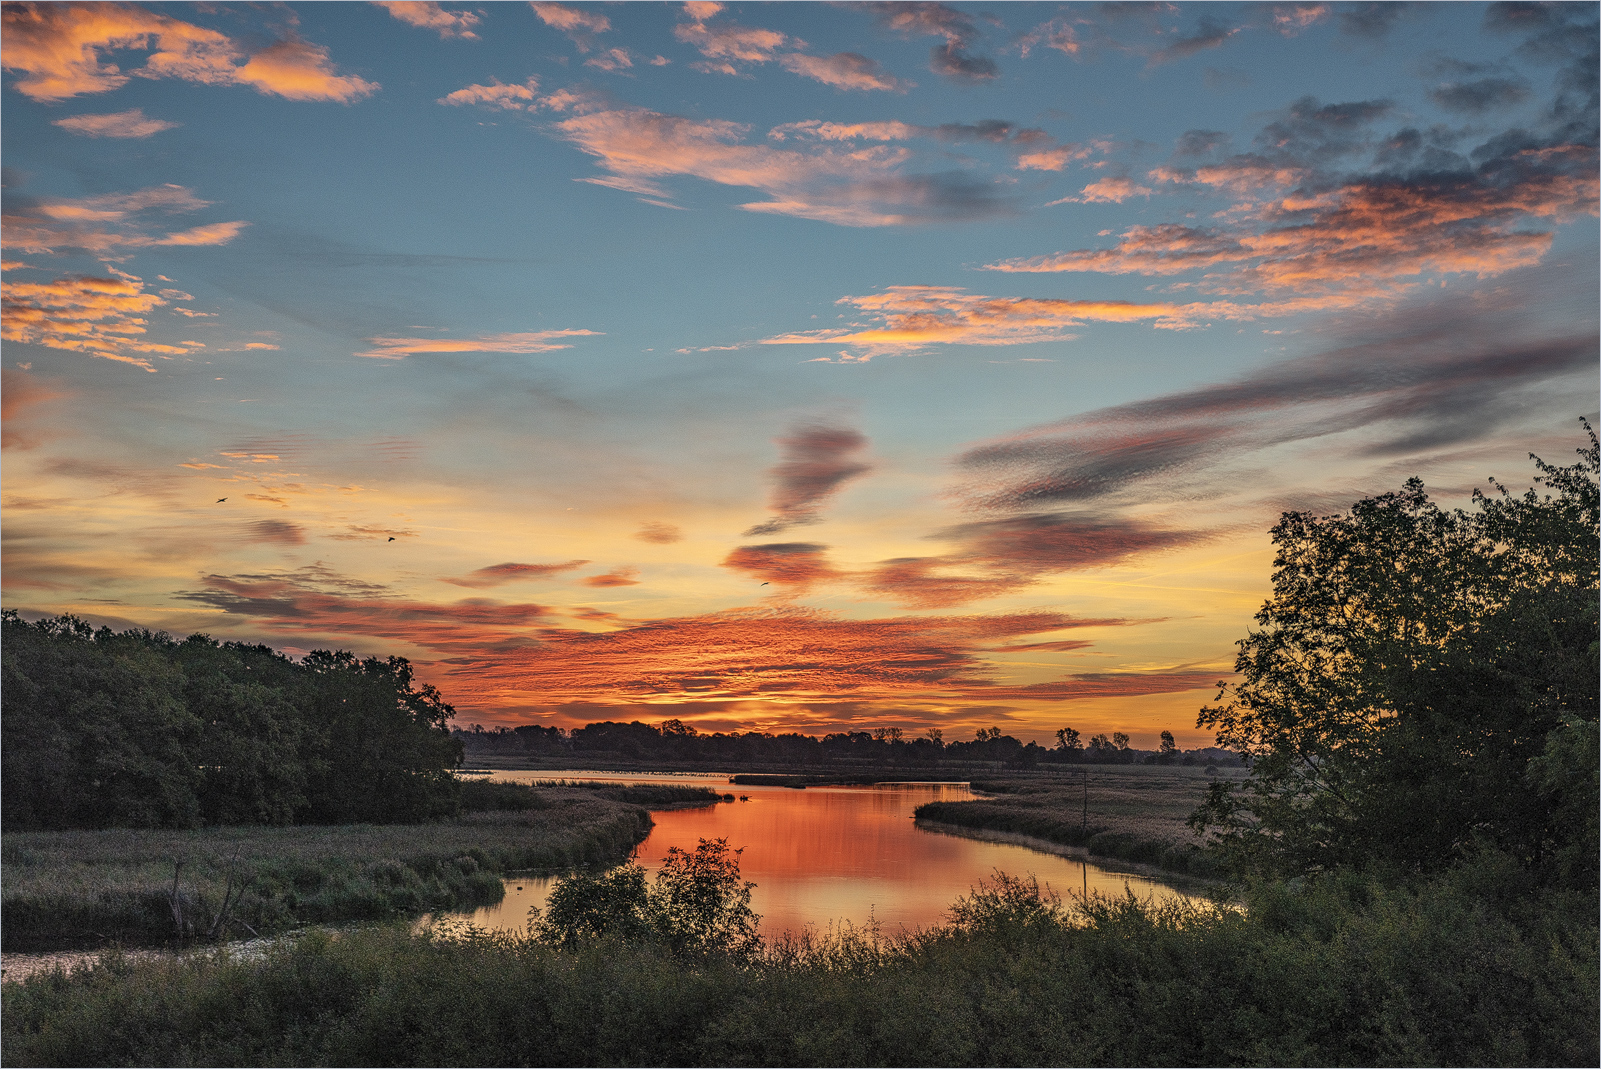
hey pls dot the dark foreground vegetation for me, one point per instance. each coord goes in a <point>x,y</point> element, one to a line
<point>1471,968</point>
<point>1414,849</point>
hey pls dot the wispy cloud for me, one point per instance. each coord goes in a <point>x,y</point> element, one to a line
<point>542,341</point>
<point>844,70</point>
<point>615,577</point>
<point>1428,375</point>
<point>429,15</point>
<point>659,533</point>
<point>496,574</point>
<point>912,317</point>
<point>108,224</point>
<point>954,59</point>
<point>580,26</point>
<point>132,123</point>
<point>63,50</point>
<point>726,44</point>
<point>818,460</point>
<point>845,185</point>
<point>496,95</point>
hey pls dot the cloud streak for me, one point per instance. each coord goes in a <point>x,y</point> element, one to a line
<point>543,341</point>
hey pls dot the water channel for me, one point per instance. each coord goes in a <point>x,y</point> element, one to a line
<point>817,856</point>
<point>825,854</point>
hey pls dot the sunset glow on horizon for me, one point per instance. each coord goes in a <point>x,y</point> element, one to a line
<point>789,367</point>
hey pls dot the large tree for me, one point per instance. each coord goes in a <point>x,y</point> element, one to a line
<point>1409,665</point>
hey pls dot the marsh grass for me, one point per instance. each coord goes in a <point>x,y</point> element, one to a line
<point>88,888</point>
<point>1136,813</point>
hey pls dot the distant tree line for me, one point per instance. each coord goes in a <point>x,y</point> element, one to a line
<point>673,741</point>
<point>136,729</point>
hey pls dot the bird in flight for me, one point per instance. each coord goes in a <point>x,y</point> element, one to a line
<point>220,500</point>
<point>764,584</point>
<point>391,538</point>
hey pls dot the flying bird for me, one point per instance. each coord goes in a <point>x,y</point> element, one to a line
<point>220,500</point>
<point>391,538</point>
<point>764,584</point>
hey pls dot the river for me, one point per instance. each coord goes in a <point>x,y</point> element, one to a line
<point>826,854</point>
<point>817,856</point>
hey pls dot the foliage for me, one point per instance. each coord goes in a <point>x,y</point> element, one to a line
<point>131,728</point>
<point>1410,665</point>
<point>696,905</point>
<point>1339,972</point>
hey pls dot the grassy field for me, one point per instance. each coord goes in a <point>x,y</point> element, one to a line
<point>89,888</point>
<point>1134,812</point>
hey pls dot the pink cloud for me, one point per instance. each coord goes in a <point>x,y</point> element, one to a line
<point>103,317</point>
<point>496,95</point>
<point>844,70</point>
<point>615,577</point>
<point>580,26</point>
<point>428,15</point>
<point>496,574</point>
<point>112,222</point>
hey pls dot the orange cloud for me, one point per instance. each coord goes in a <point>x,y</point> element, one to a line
<point>536,342</point>
<point>103,317</point>
<point>795,565</point>
<point>110,222</point>
<point>1352,243</point>
<point>300,70</point>
<point>844,70</point>
<point>615,577</point>
<point>118,124</point>
<point>63,50</point>
<point>428,15</point>
<point>1107,191</point>
<point>784,655</point>
<point>496,574</point>
<point>916,316</point>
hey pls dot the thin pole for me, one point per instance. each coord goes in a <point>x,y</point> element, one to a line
<point>1084,825</point>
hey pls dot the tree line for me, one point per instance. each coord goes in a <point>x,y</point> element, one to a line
<point>136,729</point>
<point>673,741</point>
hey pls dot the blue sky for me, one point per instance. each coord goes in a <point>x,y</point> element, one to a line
<point>793,366</point>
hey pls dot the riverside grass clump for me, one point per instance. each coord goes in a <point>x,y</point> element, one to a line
<point>1135,813</point>
<point>1337,971</point>
<point>87,888</point>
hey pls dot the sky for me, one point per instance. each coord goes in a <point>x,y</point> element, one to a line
<point>777,367</point>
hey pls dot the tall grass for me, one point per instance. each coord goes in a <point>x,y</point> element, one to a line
<point>1340,972</point>
<point>85,888</point>
<point>1134,814</point>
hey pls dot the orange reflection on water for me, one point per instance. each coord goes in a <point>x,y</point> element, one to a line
<point>828,854</point>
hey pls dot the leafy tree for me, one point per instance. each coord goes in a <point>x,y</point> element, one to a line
<point>1169,748</point>
<point>1067,741</point>
<point>1410,664</point>
<point>696,905</point>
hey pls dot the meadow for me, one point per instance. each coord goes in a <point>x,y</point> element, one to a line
<point>88,888</point>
